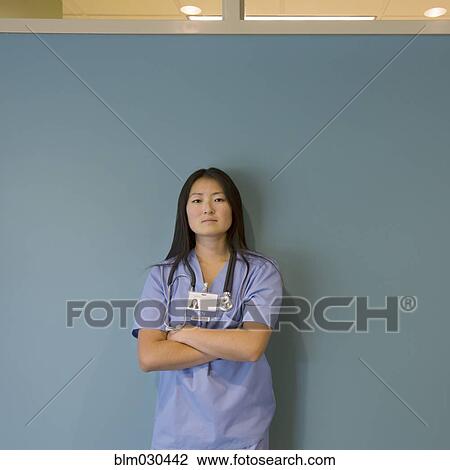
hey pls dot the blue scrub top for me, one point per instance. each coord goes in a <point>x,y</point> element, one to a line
<point>222,404</point>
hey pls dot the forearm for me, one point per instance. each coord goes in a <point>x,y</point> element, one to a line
<point>172,355</point>
<point>232,344</point>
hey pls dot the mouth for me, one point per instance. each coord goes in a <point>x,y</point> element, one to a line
<point>209,220</point>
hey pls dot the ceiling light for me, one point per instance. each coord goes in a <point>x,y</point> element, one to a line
<point>205,18</point>
<point>309,18</point>
<point>190,10</point>
<point>435,12</point>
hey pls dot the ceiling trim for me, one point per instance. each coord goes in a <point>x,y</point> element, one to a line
<point>103,26</point>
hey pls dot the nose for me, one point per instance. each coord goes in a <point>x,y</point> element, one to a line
<point>207,209</point>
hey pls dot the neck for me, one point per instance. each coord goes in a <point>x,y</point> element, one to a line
<point>212,249</point>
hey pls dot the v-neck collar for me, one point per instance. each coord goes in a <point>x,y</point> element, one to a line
<point>200,282</point>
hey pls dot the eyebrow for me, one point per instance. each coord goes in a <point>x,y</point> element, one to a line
<point>193,194</point>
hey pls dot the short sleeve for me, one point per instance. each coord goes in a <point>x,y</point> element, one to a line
<point>263,296</point>
<point>150,308</point>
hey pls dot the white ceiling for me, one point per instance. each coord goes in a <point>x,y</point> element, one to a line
<point>144,9</point>
<point>170,9</point>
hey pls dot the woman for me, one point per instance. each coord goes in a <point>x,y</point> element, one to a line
<point>215,389</point>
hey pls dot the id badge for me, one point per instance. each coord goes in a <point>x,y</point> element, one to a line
<point>202,301</point>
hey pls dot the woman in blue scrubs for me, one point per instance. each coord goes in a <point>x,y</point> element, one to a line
<point>215,384</point>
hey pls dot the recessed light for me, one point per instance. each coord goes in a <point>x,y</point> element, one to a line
<point>190,10</point>
<point>435,12</point>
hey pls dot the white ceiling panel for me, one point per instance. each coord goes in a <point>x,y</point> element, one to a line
<point>264,7</point>
<point>315,8</point>
<point>334,7</point>
<point>127,8</point>
<point>158,9</point>
<point>209,7</point>
<point>382,9</point>
<point>415,8</point>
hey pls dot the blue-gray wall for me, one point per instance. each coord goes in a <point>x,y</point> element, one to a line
<point>86,122</point>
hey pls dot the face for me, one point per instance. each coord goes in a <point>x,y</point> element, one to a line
<point>208,201</point>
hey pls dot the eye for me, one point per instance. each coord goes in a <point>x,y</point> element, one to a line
<point>220,199</point>
<point>195,200</point>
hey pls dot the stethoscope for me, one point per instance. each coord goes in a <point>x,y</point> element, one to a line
<point>225,300</point>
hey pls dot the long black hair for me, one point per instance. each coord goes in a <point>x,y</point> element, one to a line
<point>184,238</point>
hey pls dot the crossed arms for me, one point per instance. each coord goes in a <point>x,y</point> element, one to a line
<point>191,346</point>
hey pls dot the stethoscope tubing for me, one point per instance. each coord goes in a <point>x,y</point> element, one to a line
<point>227,285</point>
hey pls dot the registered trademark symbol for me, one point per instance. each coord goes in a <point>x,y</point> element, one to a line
<point>408,303</point>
